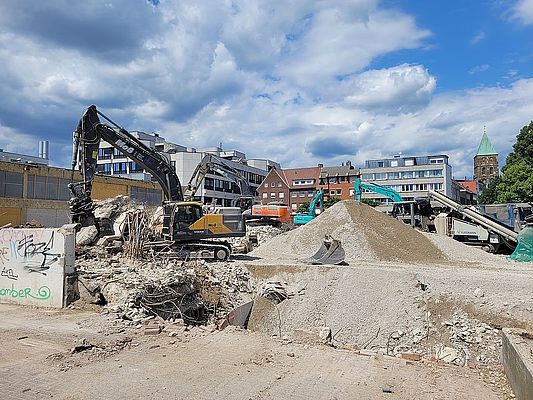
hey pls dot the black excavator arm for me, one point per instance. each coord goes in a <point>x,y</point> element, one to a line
<point>87,136</point>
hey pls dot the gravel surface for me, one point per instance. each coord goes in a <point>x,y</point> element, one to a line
<point>365,234</point>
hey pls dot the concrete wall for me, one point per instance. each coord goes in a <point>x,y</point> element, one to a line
<point>517,347</point>
<point>35,265</point>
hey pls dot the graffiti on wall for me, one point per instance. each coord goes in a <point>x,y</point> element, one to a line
<point>27,257</point>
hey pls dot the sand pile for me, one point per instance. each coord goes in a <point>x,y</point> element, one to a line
<point>365,234</point>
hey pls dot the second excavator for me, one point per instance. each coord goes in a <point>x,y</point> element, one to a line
<point>186,229</point>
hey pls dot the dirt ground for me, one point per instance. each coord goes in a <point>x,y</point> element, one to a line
<point>36,362</point>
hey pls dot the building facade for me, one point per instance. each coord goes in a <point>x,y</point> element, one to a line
<point>215,187</point>
<point>411,177</point>
<point>338,182</point>
<point>38,192</point>
<point>292,186</point>
<point>485,163</point>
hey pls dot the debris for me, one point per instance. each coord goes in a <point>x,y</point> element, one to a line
<point>386,389</point>
<point>86,236</point>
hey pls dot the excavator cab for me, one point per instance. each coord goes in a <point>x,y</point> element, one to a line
<point>183,221</point>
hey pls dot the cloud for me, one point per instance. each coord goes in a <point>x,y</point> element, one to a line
<point>522,11</point>
<point>288,81</point>
<point>480,36</point>
<point>479,68</point>
<point>398,89</point>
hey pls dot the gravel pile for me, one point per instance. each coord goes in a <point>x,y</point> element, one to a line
<point>365,234</point>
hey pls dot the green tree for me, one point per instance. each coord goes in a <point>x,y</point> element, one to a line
<point>303,207</point>
<point>330,201</point>
<point>516,184</point>
<point>523,147</point>
<point>490,193</point>
<point>371,202</point>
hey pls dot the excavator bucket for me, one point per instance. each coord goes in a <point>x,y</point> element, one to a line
<point>330,252</point>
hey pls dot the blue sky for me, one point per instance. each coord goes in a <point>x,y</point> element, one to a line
<point>299,82</point>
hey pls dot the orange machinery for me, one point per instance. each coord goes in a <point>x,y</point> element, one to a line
<point>272,212</point>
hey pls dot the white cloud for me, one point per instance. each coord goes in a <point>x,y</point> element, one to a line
<point>480,36</point>
<point>288,81</point>
<point>522,11</point>
<point>479,68</point>
<point>401,88</point>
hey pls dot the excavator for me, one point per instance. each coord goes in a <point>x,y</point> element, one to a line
<point>213,163</point>
<point>186,229</point>
<point>301,218</point>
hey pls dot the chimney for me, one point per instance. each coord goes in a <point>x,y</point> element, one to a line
<point>320,165</point>
<point>349,164</point>
<point>44,147</point>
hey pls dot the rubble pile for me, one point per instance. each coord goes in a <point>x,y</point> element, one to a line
<point>365,234</point>
<point>194,291</point>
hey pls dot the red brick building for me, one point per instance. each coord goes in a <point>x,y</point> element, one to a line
<point>292,186</point>
<point>338,181</point>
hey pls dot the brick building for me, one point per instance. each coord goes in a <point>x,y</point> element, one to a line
<point>338,181</point>
<point>292,186</point>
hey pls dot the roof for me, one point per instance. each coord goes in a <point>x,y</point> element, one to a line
<point>469,185</point>
<point>293,174</point>
<point>485,147</point>
<point>343,170</point>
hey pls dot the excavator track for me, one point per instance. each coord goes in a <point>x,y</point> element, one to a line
<point>206,250</point>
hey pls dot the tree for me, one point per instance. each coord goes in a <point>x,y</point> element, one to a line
<point>371,202</point>
<point>523,147</point>
<point>516,184</point>
<point>303,207</point>
<point>330,201</point>
<point>490,193</point>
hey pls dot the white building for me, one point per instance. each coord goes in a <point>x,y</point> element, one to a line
<point>185,160</point>
<point>410,176</point>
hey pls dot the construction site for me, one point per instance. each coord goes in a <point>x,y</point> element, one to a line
<point>193,300</point>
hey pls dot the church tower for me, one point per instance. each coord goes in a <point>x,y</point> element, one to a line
<point>485,163</point>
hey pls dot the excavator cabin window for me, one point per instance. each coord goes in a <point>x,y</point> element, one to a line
<point>186,215</point>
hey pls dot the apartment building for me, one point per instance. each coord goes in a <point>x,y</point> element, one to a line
<point>338,181</point>
<point>292,186</point>
<point>410,176</point>
<point>215,187</point>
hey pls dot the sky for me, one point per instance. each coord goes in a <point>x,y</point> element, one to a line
<point>298,82</point>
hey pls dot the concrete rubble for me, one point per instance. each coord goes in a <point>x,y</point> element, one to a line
<point>396,296</point>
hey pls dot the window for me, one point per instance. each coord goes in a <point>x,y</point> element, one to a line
<point>351,192</point>
<point>266,184</point>
<point>281,195</point>
<point>420,174</point>
<point>394,163</point>
<point>265,195</point>
<point>434,172</point>
<point>368,177</point>
<point>11,183</point>
<point>332,192</point>
<point>294,206</point>
<point>272,195</point>
<point>394,175</point>
<point>409,162</point>
<point>407,174</point>
<point>339,192</point>
<point>332,179</point>
<point>302,193</point>
<point>310,193</point>
<point>272,184</point>
<point>279,184</point>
